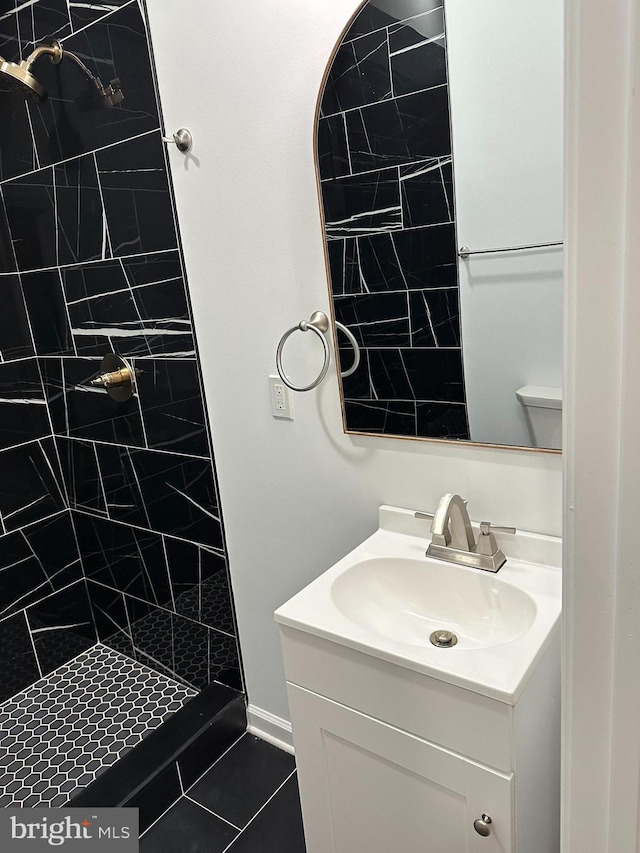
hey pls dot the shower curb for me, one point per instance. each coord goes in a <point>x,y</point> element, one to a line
<point>153,775</point>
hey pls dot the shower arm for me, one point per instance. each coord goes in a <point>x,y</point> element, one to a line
<point>112,93</point>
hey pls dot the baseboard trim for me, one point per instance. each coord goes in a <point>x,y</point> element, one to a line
<point>267,726</point>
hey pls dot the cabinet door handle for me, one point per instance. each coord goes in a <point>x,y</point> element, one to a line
<point>482,825</point>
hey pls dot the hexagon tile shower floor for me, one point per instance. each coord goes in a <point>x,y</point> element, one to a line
<point>58,735</point>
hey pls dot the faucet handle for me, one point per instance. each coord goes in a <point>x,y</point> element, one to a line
<point>486,528</point>
<point>423,514</point>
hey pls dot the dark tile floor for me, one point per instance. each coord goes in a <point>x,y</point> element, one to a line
<point>247,802</point>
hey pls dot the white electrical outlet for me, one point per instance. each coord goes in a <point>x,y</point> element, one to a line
<point>281,403</point>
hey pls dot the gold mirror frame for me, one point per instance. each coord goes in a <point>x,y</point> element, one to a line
<point>347,431</point>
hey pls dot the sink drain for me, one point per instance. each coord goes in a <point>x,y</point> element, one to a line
<point>443,639</point>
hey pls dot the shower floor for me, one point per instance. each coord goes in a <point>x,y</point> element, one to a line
<point>59,735</point>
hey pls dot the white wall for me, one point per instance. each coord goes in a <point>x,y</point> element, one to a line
<point>296,495</point>
<point>601,730</point>
<point>506,87</point>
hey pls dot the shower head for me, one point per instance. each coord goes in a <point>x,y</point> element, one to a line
<point>18,79</point>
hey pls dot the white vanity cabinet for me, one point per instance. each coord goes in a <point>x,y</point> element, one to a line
<point>375,788</point>
<point>392,760</point>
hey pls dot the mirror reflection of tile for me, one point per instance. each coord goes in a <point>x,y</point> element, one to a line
<point>384,150</point>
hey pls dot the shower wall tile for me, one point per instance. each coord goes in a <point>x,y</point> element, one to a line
<point>82,230</point>
<point>118,482</point>
<point>379,416</point>
<point>359,74</point>
<point>427,193</point>
<point>180,496</point>
<point>17,154</point>
<point>399,131</point>
<point>47,312</point>
<point>386,171</point>
<point>74,120</point>
<point>370,19</point>
<point>83,481</point>
<point>51,370</point>
<point>15,335</point>
<point>435,318</point>
<point>333,153</point>
<point>402,260</point>
<point>172,407</point>
<point>31,219</point>
<point>18,664</point>
<point>417,53</point>
<point>136,306</point>
<point>86,13</point>
<point>110,617</point>
<point>182,648</point>
<point>124,558</point>
<point>362,204</point>
<point>55,215</point>
<point>42,22</point>
<point>376,319</point>
<point>437,419</point>
<point>7,252</point>
<point>90,264</point>
<point>62,626</point>
<point>9,45</point>
<point>90,413</point>
<point>134,182</point>
<point>29,484</point>
<point>35,561</point>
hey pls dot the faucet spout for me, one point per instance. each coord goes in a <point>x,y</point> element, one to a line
<point>451,526</point>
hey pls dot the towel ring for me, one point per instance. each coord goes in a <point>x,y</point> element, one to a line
<point>356,350</point>
<point>319,324</point>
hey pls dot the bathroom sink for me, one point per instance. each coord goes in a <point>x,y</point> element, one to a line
<point>407,600</point>
<point>386,597</point>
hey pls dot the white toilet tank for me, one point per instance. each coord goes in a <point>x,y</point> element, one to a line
<point>542,407</point>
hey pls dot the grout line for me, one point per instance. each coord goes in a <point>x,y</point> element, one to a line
<point>121,446</point>
<point>91,261</point>
<point>259,810</point>
<point>211,548</point>
<point>179,776</point>
<point>78,156</point>
<point>38,520</point>
<point>386,100</point>
<point>91,23</point>
<point>196,803</point>
<point>400,290</point>
<point>163,608</point>
<point>151,825</point>
<point>4,617</point>
<point>33,645</point>
<point>228,749</point>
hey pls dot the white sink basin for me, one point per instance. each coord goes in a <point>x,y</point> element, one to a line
<point>407,600</point>
<point>385,598</point>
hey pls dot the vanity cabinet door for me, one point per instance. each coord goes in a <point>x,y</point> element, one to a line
<point>367,787</point>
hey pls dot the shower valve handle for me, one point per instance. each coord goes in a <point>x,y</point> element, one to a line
<point>123,376</point>
<point>117,377</point>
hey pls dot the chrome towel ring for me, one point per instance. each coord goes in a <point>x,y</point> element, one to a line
<point>319,324</point>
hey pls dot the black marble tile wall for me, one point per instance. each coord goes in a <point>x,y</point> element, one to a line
<point>386,171</point>
<point>110,522</point>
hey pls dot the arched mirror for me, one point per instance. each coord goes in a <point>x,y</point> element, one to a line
<point>439,157</point>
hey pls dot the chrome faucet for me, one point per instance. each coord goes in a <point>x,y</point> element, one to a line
<point>452,537</point>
